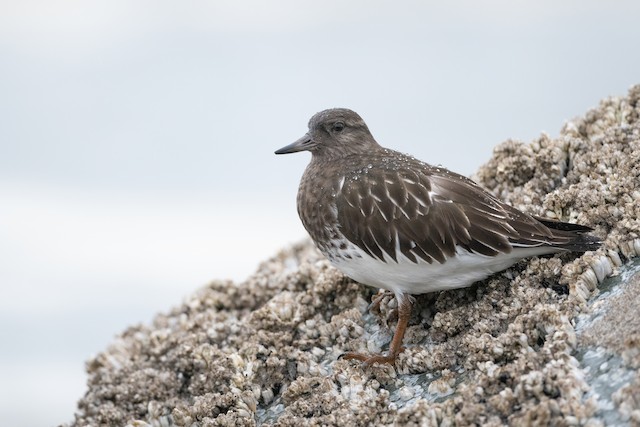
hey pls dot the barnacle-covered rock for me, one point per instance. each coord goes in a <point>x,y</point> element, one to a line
<point>507,350</point>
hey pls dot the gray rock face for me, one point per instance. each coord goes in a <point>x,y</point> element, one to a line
<point>609,348</point>
<point>534,345</point>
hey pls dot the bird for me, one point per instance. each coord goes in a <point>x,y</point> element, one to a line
<point>388,220</point>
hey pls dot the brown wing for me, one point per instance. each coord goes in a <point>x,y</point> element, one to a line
<point>427,213</point>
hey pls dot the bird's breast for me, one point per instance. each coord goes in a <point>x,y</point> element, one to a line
<point>317,209</point>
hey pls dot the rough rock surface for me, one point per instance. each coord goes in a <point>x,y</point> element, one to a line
<point>503,351</point>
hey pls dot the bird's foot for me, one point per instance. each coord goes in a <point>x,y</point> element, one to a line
<point>376,300</point>
<point>368,360</point>
<point>404,312</point>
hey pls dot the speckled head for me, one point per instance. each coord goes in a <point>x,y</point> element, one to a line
<point>334,133</point>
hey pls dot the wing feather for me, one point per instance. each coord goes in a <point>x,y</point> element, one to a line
<point>428,213</point>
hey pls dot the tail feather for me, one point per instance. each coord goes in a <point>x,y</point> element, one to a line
<point>579,240</point>
<point>563,226</point>
<point>582,243</point>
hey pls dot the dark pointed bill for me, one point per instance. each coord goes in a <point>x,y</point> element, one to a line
<point>302,144</point>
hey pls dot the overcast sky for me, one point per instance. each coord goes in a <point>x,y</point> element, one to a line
<point>137,139</point>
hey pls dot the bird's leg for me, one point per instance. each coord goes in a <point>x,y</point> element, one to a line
<point>405,305</point>
<point>376,300</point>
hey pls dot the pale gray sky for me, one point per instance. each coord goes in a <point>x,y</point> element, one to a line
<point>137,139</point>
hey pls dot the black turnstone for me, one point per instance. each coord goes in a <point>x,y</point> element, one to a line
<point>388,220</point>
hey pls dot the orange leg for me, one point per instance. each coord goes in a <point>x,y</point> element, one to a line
<point>404,313</point>
<point>376,300</point>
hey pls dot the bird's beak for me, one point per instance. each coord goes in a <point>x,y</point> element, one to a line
<point>302,144</point>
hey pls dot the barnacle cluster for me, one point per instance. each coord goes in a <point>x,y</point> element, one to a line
<point>507,350</point>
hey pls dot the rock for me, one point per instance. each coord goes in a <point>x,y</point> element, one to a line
<point>504,351</point>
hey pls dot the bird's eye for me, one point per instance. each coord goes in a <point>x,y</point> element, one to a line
<point>338,126</point>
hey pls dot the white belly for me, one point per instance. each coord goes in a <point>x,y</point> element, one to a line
<point>407,277</point>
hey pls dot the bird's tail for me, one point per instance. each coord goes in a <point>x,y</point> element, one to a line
<point>573,237</point>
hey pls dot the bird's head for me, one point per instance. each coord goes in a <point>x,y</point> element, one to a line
<point>334,133</point>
